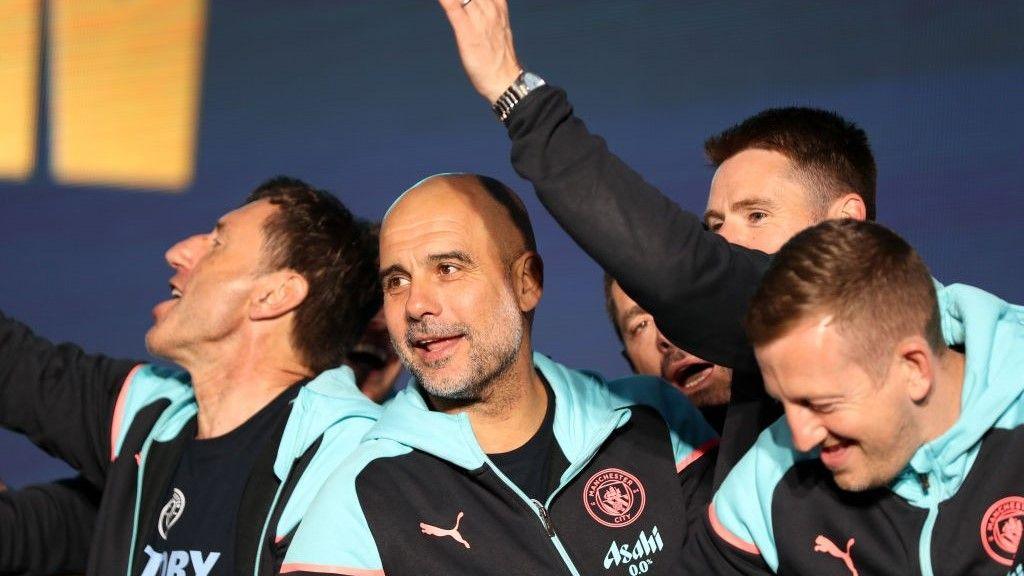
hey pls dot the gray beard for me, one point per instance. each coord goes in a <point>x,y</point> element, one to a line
<point>487,365</point>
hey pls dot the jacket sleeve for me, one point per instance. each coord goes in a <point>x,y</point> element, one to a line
<point>695,284</point>
<point>60,397</point>
<point>706,553</point>
<point>334,536</point>
<point>46,529</point>
<point>694,442</point>
<point>736,534</point>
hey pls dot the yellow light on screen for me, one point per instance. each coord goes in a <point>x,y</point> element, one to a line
<point>19,76</point>
<point>125,81</point>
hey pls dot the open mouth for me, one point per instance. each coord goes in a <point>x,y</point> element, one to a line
<point>163,306</point>
<point>373,356</point>
<point>435,347</point>
<point>833,454</point>
<point>176,291</point>
<point>690,376</point>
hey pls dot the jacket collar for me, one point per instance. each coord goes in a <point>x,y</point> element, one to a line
<point>585,413</point>
<point>325,401</point>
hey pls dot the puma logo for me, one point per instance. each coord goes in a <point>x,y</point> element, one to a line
<point>822,544</point>
<point>453,532</point>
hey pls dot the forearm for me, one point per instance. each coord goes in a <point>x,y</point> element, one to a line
<point>694,283</point>
<point>59,397</point>
<point>47,529</point>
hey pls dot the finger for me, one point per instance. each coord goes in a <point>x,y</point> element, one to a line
<point>486,8</point>
<point>476,10</point>
<point>450,5</point>
<point>457,16</point>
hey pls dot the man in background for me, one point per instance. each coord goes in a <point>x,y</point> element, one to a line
<point>777,172</point>
<point>648,352</point>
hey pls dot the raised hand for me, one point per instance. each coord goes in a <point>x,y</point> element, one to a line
<point>484,38</point>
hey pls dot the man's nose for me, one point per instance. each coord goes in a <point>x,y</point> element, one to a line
<point>664,346</point>
<point>423,300</point>
<point>806,427</point>
<point>184,254</point>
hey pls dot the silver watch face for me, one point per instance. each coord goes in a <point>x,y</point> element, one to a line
<point>531,81</point>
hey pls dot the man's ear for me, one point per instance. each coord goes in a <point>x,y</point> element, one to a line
<point>916,365</point>
<point>849,206</point>
<point>277,294</point>
<point>528,280</point>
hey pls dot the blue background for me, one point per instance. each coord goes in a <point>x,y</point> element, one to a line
<point>366,98</point>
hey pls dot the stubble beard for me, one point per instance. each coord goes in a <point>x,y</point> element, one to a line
<point>488,362</point>
<point>879,471</point>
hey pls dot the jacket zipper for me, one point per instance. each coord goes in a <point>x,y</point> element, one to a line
<point>545,518</point>
<point>535,507</point>
<point>541,510</point>
<point>925,541</point>
<point>138,501</point>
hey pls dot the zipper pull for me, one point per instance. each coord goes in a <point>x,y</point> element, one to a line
<point>544,518</point>
<point>923,479</point>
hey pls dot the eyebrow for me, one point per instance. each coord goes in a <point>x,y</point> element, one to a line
<point>709,214</point>
<point>393,269</point>
<point>634,311</point>
<point>457,255</point>
<point>747,203</point>
<point>754,203</point>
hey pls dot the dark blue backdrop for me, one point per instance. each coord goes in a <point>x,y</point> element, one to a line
<point>366,98</point>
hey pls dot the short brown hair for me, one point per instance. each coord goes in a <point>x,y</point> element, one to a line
<point>873,284</point>
<point>609,305</point>
<point>831,153</point>
<point>314,234</point>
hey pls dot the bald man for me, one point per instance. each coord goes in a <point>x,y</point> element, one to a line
<point>496,459</point>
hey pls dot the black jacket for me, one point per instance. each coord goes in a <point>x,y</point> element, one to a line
<point>695,284</point>
<point>124,426</point>
<point>956,508</point>
<point>60,514</point>
<point>420,497</point>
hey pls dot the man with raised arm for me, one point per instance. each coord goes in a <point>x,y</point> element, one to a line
<point>62,514</point>
<point>777,173</point>
<point>208,472</point>
<point>496,459</point>
<point>900,452</point>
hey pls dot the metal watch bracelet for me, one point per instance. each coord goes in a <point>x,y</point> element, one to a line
<point>525,83</point>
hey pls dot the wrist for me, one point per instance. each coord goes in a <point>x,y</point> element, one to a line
<point>498,87</point>
<point>521,85</point>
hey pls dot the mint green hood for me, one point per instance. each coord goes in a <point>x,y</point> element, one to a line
<point>992,334</point>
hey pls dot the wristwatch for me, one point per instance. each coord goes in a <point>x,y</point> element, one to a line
<point>525,83</point>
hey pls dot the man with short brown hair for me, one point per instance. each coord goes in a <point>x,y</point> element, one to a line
<point>892,434</point>
<point>777,173</point>
<point>210,469</point>
<point>649,352</point>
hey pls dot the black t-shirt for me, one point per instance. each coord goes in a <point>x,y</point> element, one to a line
<point>195,530</point>
<point>537,466</point>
